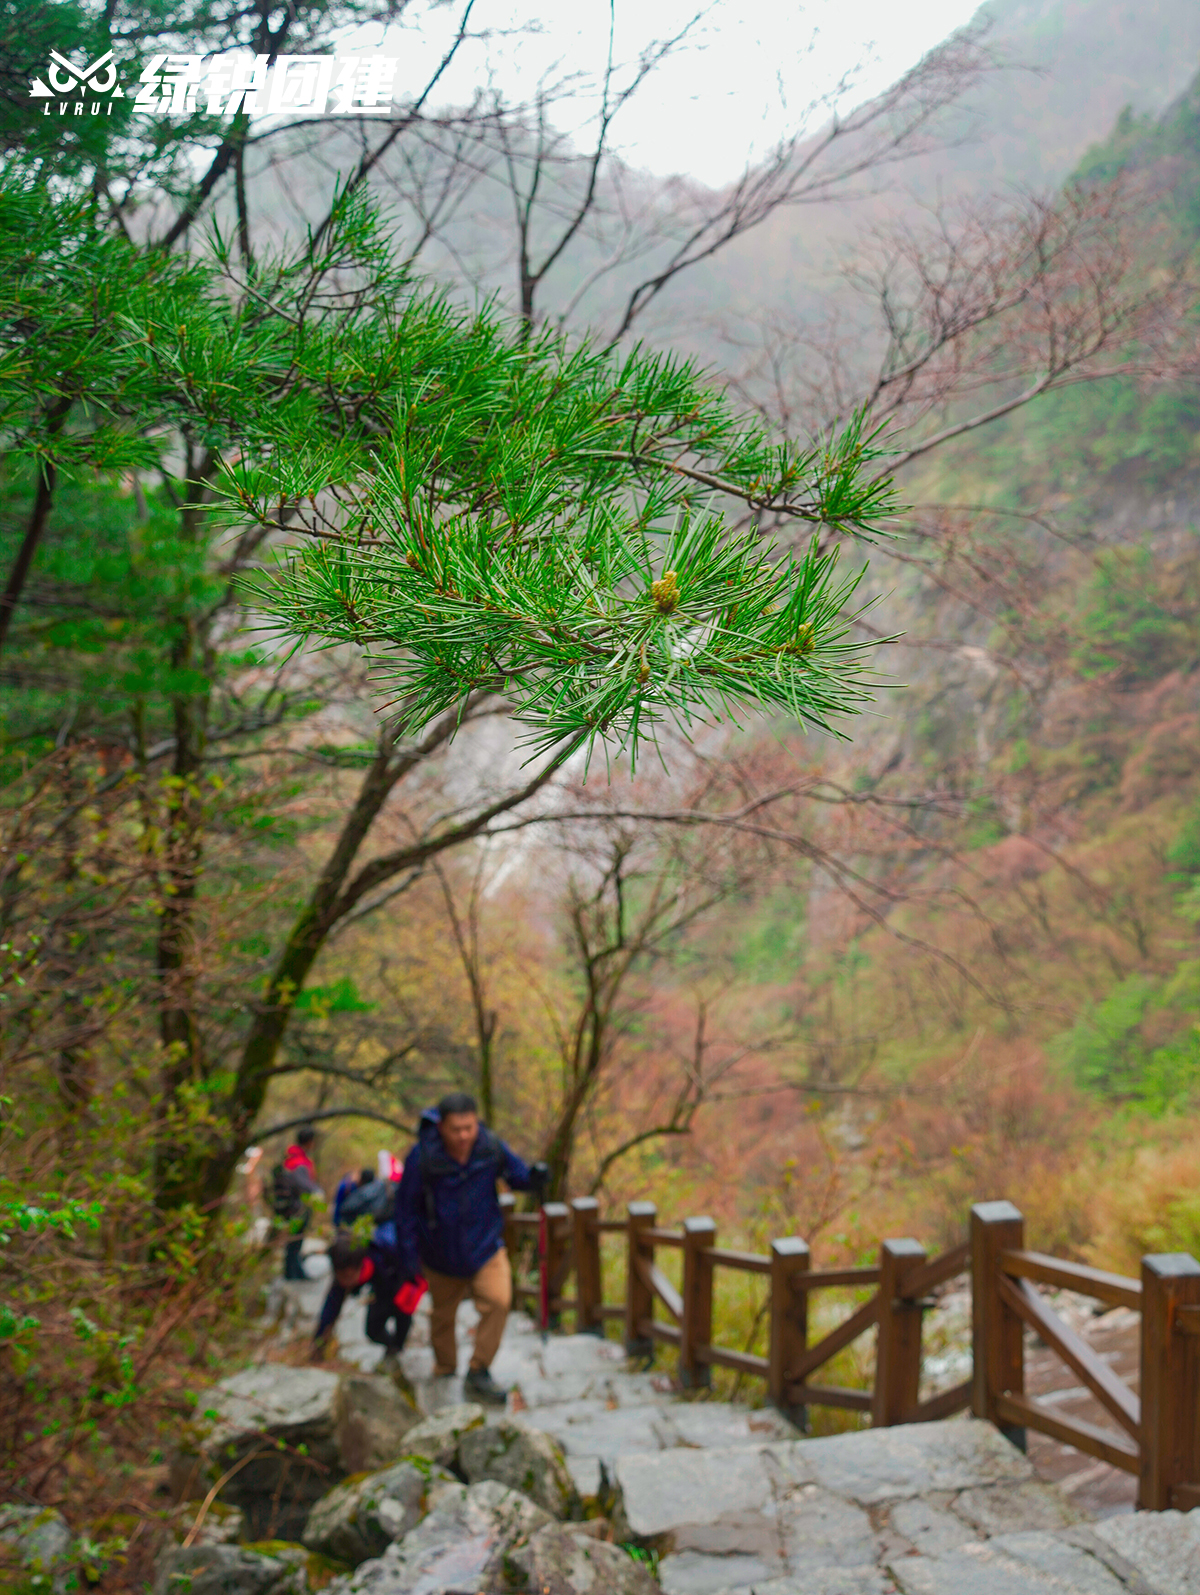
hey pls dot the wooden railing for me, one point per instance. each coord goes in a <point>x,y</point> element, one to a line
<point>1156,1434</point>
<point>903,1278</point>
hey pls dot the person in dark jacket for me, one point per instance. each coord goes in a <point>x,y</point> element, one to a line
<point>449,1227</point>
<point>295,1179</point>
<point>393,1297</point>
<point>348,1184</point>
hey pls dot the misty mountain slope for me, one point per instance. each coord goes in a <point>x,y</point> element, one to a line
<point>1075,65</point>
<point>1095,57</point>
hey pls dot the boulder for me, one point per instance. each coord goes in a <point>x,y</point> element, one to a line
<point>523,1458</point>
<point>40,1540</point>
<point>362,1517</point>
<point>273,1567</point>
<point>463,1544</point>
<point>216,1569</point>
<point>277,1426</point>
<point>305,1571</point>
<point>372,1417</point>
<point>284,1435</point>
<point>559,1560</point>
<point>437,1438</point>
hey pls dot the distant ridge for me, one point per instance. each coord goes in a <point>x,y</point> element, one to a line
<point>1075,65</point>
<point>1095,56</point>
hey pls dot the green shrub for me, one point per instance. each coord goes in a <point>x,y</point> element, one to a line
<point>1106,1052</point>
<point>1184,853</point>
<point>1126,629</point>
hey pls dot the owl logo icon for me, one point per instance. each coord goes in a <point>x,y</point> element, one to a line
<point>65,77</point>
<point>96,83</point>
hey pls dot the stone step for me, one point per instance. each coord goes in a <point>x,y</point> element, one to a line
<point>928,1509</point>
<point>1145,1553</point>
<point>735,1501</point>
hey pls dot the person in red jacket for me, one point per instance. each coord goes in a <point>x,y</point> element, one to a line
<point>393,1298</point>
<point>293,1180</point>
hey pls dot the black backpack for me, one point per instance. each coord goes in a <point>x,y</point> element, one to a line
<point>373,1200</point>
<point>285,1193</point>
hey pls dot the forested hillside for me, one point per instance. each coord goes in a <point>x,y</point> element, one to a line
<point>730,699</point>
<point>1029,807</point>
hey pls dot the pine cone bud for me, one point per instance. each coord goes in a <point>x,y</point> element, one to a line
<point>804,641</point>
<point>665,593</point>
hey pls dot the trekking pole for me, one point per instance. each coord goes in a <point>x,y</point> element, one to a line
<point>543,1273</point>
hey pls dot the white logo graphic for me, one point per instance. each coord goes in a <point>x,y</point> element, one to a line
<point>307,85</point>
<point>224,85</point>
<point>100,77</point>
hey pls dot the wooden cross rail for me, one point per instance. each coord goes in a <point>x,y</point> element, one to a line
<point>1112,1393</point>
<point>1156,1434</point>
<point>1111,1288</point>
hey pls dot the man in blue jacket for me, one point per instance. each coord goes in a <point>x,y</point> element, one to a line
<point>449,1228</point>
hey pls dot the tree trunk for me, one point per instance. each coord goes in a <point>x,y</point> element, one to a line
<point>560,1145</point>
<point>180,1034</point>
<point>333,896</point>
<point>43,499</point>
<point>179,1151</point>
<point>300,952</point>
<point>487,1089</point>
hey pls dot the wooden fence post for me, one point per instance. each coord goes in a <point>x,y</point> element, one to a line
<point>789,1321</point>
<point>558,1255</point>
<point>508,1206</point>
<point>589,1287</point>
<point>898,1350</point>
<point>1170,1383</point>
<point>695,1327</point>
<point>639,1298</point>
<point>997,1342</point>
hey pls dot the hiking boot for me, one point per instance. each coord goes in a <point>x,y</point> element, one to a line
<point>480,1384</point>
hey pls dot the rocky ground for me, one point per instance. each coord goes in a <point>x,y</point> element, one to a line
<point>1096,1489</point>
<point>598,1480</point>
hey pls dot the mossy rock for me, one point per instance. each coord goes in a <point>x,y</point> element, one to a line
<point>360,1518</point>
<point>312,1570</point>
<point>524,1459</point>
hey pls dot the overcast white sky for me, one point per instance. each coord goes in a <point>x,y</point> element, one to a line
<point>745,75</point>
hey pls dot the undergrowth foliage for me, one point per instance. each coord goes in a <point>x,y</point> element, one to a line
<point>106,1308</point>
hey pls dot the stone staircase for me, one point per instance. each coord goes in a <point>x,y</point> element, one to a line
<point>733,1499</point>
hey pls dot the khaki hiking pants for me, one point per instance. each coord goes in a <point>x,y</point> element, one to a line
<point>491,1291</point>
